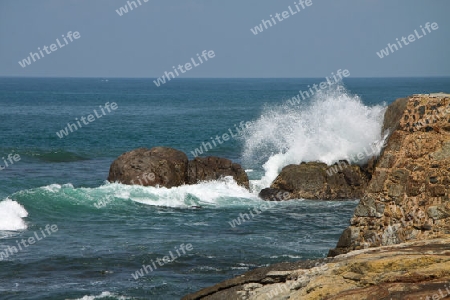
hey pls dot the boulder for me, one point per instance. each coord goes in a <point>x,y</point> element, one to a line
<point>315,180</point>
<point>213,168</point>
<point>274,194</point>
<point>150,167</point>
<point>169,167</point>
<point>408,197</point>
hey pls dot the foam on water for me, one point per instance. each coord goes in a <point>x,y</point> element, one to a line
<point>103,295</point>
<point>11,216</point>
<point>332,126</point>
<point>217,193</point>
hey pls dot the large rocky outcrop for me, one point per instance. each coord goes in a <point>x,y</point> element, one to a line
<point>414,270</point>
<point>314,180</point>
<point>408,196</point>
<point>169,167</point>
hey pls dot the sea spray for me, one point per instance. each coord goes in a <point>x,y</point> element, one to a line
<point>332,126</point>
<point>11,216</point>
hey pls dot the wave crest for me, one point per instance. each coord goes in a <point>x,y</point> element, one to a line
<point>217,193</point>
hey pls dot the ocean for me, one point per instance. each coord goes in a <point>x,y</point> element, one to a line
<point>66,233</point>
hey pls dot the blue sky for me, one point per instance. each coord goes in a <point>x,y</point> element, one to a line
<point>159,34</point>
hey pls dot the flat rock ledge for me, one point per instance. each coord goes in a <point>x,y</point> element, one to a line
<point>412,270</point>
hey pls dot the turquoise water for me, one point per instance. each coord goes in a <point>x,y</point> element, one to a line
<point>107,232</point>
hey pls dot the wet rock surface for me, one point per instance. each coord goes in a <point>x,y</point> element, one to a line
<point>315,180</point>
<point>213,168</point>
<point>169,167</point>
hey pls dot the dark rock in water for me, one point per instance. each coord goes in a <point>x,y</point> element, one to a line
<point>169,167</point>
<point>316,180</point>
<point>213,168</point>
<point>271,194</point>
<point>158,166</point>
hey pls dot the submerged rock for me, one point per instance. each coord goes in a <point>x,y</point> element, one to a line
<point>408,196</point>
<point>169,167</point>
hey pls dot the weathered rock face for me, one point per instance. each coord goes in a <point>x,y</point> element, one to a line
<point>408,196</point>
<point>170,167</point>
<point>316,180</point>
<point>414,270</point>
<point>212,168</point>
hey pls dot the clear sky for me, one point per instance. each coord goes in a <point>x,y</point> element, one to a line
<point>158,34</point>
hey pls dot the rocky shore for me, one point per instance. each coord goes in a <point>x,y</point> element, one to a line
<point>408,197</point>
<point>414,270</point>
<point>398,243</point>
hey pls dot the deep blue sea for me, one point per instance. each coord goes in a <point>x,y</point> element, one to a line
<point>105,232</point>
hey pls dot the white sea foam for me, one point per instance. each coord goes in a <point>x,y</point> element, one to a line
<point>11,216</point>
<point>102,296</point>
<point>217,193</point>
<point>332,126</point>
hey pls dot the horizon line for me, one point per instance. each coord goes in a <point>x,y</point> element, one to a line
<point>183,78</point>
